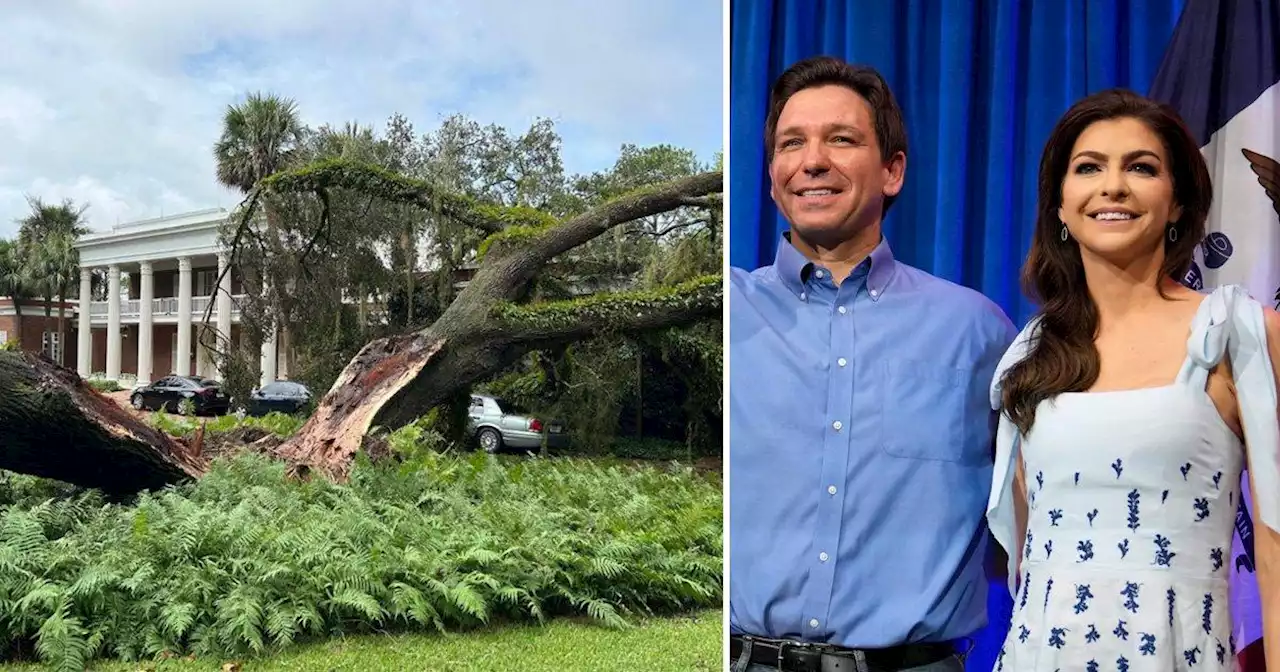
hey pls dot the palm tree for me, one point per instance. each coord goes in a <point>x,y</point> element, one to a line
<point>50,262</point>
<point>259,137</point>
<point>13,282</point>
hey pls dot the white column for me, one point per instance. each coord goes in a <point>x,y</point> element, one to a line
<point>183,354</point>
<point>84,339</point>
<point>270,359</point>
<point>113,322</point>
<point>223,307</point>
<point>146,292</point>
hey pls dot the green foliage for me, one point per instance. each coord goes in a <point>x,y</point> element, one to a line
<point>607,307</point>
<point>104,386</point>
<point>277,423</point>
<point>245,561</point>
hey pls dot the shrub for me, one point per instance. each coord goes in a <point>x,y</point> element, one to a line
<point>104,386</point>
<point>245,561</point>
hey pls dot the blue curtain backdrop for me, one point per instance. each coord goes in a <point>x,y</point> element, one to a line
<point>981,84</point>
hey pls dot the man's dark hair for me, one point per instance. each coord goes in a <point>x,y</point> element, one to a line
<point>891,132</point>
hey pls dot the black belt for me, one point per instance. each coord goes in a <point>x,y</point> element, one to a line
<point>795,656</point>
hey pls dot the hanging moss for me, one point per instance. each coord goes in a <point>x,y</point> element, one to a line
<point>612,309</point>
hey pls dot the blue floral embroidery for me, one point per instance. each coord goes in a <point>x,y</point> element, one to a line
<point>1086,550</point>
<point>1191,655</point>
<point>1048,549</point>
<point>1026,588</point>
<point>1202,508</point>
<point>1077,478</point>
<point>1083,595</point>
<point>1217,478</point>
<point>1148,647</point>
<point>1121,632</point>
<point>1185,469</point>
<point>1231,639</point>
<point>1092,636</point>
<point>1131,592</point>
<point>1023,634</point>
<point>1222,654</point>
<point>1026,552</point>
<point>1164,496</point>
<point>1122,664</point>
<point>1091,515</point>
<point>1172,598</point>
<point>1124,548</point>
<point>1091,666</point>
<point>1216,556</point>
<point>1163,556</point>
<point>1207,616</point>
<point>1118,466</point>
<point>1133,509</point>
<point>1054,516</point>
<point>1055,638</point>
<point>1047,588</point>
<point>1040,480</point>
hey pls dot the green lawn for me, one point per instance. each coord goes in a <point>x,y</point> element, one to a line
<point>680,644</point>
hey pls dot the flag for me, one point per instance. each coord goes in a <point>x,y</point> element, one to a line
<point>1221,71</point>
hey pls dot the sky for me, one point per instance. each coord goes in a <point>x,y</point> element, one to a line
<point>116,104</point>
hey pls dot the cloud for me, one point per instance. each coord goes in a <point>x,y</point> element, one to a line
<point>117,104</point>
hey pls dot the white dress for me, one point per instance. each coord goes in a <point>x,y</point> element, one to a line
<point>1132,497</point>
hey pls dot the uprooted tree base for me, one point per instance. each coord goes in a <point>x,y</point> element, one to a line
<point>54,425</point>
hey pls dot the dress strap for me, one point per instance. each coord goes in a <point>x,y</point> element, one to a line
<point>1207,342</point>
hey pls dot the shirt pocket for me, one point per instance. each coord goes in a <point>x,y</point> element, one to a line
<point>923,409</point>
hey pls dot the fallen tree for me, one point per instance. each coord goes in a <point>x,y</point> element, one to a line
<point>54,417</point>
<point>52,424</point>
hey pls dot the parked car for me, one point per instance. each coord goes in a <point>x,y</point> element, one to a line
<point>168,393</point>
<point>284,396</point>
<point>497,424</point>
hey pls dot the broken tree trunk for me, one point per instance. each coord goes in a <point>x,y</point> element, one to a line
<point>395,380</point>
<point>52,424</point>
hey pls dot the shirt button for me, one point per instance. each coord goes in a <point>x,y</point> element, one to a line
<point>841,309</point>
<point>842,361</point>
<point>875,292</point>
<point>813,622</point>
<point>802,295</point>
<point>831,489</point>
<point>837,424</point>
<point>823,556</point>
<point>820,274</point>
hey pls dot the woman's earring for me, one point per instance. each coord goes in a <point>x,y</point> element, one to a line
<point>1173,234</point>
<point>1064,235</point>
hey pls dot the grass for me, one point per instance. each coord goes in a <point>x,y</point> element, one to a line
<point>688,643</point>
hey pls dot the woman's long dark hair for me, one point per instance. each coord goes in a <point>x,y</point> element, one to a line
<point>1062,357</point>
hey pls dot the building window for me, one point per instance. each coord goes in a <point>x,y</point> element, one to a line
<point>206,281</point>
<point>50,346</point>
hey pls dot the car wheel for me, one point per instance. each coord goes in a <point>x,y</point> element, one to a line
<point>490,440</point>
<point>136,402</point>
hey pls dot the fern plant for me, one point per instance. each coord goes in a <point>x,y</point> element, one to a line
<point>246,562</point>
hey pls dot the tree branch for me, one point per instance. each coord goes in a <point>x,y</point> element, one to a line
<point>541,324</point>
<point>370,179</point>
<point>529,248</point>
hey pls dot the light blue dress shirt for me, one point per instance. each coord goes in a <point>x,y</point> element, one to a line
<point>861,452</point>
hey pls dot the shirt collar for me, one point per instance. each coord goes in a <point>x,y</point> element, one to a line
<point>794,268</point>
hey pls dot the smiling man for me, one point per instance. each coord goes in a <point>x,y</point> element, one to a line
<point>861,431</point>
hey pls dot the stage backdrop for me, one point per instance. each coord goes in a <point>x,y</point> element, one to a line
<point>981,84</point>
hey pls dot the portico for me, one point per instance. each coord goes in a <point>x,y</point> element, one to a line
<point>177,291</point>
